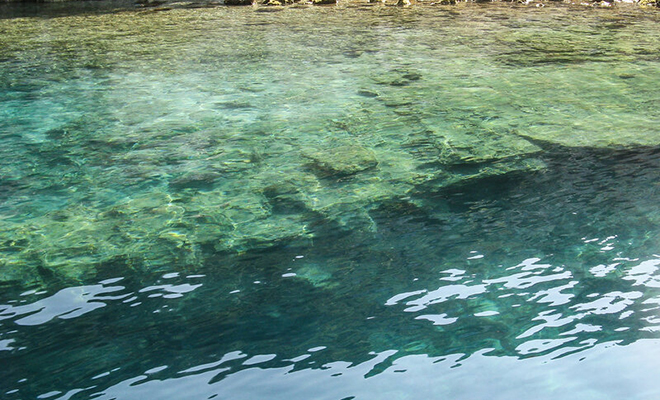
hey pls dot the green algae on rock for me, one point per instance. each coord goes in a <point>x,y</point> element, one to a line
<point>230,143</point>
<point>342,160</point>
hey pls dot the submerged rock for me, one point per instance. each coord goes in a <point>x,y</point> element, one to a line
<point>286,197</point>
<point>246,154</point>
<point>195,180</point>
<point>482,146</point>
<point>397,77</point>
<point>343,160</point>
<point>367,93</point>
<point>627,134</point>
<point>316,275</point>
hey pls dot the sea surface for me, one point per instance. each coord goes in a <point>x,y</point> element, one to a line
<point>342,202</point>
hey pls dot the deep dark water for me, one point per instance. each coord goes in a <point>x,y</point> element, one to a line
<point>542,265</point>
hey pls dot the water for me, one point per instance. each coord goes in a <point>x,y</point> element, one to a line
<point>357,201</point>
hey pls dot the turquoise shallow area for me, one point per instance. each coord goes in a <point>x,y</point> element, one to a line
<point>357,201</point>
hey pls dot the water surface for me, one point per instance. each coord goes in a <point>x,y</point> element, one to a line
<point>331,202</point>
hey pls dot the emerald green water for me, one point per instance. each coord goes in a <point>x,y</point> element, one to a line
<point>357,201</point>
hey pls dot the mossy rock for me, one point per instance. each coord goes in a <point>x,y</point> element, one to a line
<point>398,77</point>
<point>482,146</point>
<point>285,197</point>
<point>343,160</point>
<point>195,180</point>
<point>316,275</point>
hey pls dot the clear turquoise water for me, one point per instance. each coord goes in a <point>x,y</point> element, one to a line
<point>342,202</point>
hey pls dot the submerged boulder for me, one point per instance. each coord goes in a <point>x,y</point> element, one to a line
<point>285,197</point>
<point>195,179</point>
<point>482,146</point>
<point>342,160</point>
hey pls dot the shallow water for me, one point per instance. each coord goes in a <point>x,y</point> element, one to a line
<point>331,202</point>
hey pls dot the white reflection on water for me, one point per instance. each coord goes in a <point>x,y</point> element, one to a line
<point>645,274</point>
<point>608,371</point>
<point>68,303</point>
<point>73,302</point>
<point>442,294</point>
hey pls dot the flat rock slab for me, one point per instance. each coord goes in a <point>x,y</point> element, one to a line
<point>342,160</point>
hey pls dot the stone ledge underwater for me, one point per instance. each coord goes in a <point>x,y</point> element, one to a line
<point>230,146</point>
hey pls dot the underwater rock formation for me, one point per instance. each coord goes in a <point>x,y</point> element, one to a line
<point>251,141</point>
<point>342,160</point>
